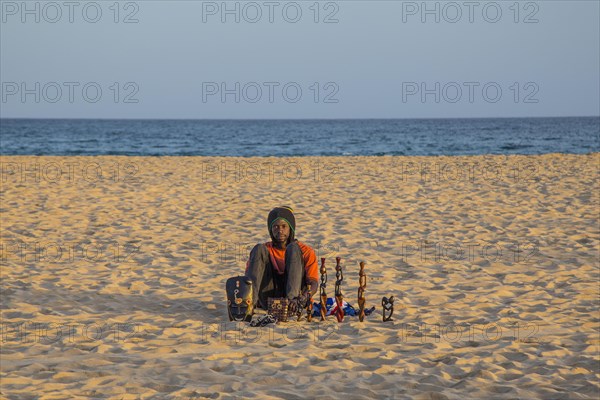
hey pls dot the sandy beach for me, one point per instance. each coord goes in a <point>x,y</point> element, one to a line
<point>113,274</point>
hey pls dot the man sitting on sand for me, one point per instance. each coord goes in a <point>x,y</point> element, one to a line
<point>283,267</point>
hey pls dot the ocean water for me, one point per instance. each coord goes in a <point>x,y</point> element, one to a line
<point>248,138</point>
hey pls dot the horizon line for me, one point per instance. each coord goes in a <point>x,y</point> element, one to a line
<point>290,119</point>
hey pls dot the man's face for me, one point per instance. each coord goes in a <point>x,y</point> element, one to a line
<point>281,231</point>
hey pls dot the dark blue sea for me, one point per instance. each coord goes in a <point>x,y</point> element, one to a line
<point>246,138</point>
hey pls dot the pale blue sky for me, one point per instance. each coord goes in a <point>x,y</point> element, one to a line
<point>374,50</point>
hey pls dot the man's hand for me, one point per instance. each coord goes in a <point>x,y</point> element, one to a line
<point>298,303</point>
<point>293,306</point>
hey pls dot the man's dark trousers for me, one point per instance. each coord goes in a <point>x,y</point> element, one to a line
<point>267,282</point>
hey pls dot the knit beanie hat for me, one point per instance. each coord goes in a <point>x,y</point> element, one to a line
<point>285,213</point>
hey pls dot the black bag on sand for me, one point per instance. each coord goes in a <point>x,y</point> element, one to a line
<point>239,298</point>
